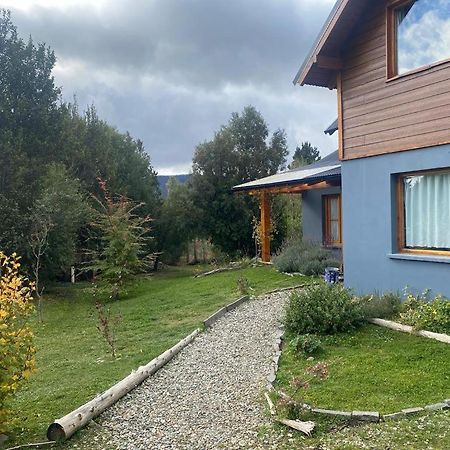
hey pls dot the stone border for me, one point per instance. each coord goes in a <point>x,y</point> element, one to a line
<point>222,311</point>
<point>407,329</point>
<point>275,359</point>
<point>375,416</point>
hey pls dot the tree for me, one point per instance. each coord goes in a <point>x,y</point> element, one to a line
<point>178,220</point>
<point>304,155</point>
<point>16,349</point>
<point>239,152</point>
<point>121,254</point>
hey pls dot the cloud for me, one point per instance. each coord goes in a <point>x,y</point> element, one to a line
<point>171,72</point>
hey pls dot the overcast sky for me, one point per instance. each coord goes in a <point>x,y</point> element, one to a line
<point>171,71</point>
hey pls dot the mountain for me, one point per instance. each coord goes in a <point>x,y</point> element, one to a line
<point>163,179</point>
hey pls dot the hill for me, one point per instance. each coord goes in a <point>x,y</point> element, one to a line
<point>163,179</point>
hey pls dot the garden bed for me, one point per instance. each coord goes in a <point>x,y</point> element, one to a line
<point>371,369</point>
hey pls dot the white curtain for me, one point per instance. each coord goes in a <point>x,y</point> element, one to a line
<point>427,211</point>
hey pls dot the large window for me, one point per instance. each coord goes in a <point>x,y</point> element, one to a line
<point>424,207</point>
<point>332,229</point>
<point>418,34</point>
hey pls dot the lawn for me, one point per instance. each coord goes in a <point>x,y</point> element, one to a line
<point>72,360</point>
<point>373,369</point>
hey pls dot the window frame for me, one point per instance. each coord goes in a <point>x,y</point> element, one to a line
<point>326,222</point>
<point>391,45</point>
<point>401,235</point>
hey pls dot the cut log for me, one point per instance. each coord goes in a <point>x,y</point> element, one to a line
<point>304,427</point>
<point>65,427</point>
<point>407,329</point>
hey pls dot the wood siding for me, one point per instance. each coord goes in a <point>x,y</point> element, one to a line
<point>384,116</point>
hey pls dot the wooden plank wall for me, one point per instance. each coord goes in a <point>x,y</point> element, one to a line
<point>381,116</point>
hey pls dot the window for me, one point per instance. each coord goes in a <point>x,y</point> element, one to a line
<point>418,34</point>
<point>424,212</point>
<point>332,230</point>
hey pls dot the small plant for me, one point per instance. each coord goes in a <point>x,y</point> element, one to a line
<point>105,326</point>
<point>319,370</point>
<point>385,306</point>
<point>424,314</point>
<point>243,286</point>
<point>16,339</point>
<point>304,257</point>
<point>322,309</point>
<point>307,343</point>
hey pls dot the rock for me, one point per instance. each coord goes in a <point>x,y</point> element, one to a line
<point>393,416</point>
<point>3,438</point>
<point>330,412</point>
<point>410,411</point>
<point>366,416</point>
<point>437,406</point>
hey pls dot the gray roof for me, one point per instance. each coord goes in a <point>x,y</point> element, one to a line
<point>325,169</point>
<point>332,128</point>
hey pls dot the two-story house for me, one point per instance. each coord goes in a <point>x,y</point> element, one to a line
<point>389,61</point>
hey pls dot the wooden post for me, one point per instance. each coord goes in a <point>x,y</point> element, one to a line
<point>265,226</point>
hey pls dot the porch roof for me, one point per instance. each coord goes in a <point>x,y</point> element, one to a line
<point>327,169</point>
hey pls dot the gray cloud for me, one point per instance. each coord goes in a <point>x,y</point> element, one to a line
<point>171,72</point>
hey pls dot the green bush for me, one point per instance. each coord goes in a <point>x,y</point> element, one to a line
<point>307,343</point>
<point>432,315</point>
<point>322,309</point>
<point>304,257</point>
<point>383,306</point>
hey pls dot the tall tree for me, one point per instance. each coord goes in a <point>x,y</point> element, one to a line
<point>240,151</point>
<point>304,154</point>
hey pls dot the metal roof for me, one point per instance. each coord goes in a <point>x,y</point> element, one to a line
<point>325,169</point>
<point>332,128</point>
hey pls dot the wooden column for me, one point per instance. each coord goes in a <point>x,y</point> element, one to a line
<point>264,203</point>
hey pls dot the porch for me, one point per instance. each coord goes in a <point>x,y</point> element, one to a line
<point>320,186</point>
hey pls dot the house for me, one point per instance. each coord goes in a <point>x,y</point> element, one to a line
<point>389,61</point>
<point>319,184</point>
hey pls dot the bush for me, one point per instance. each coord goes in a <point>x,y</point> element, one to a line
<point>385,306</point>
<point>16,346</point>
<point>322,309</point>
<point>430,315</point>
<point>304,257</point>
<point>307,343</point>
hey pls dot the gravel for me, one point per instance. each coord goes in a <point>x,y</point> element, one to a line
<point>210,396</point>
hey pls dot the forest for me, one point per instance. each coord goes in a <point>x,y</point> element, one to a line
<point>58,161</point>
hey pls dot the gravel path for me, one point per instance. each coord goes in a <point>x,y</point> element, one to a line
<point>210,395</point>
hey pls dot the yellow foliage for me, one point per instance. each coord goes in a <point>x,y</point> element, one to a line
<point>16,339</point>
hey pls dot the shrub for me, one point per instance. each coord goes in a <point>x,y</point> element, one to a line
<point>322,309</point>
<point>430,315</point>
<point>16,346</point>
<point>304,257</point>
<point>385,306</point>
<point>307,343</point>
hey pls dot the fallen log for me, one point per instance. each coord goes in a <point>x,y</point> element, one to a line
<point>407,329</point>
<point>66,426</point>
<point>270,403</point>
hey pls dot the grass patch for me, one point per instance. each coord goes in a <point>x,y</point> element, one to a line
<point>373,368</point>
<point>72,361</point>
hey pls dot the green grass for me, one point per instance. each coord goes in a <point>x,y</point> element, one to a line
<point>72,360</point>
<point>373,369</point>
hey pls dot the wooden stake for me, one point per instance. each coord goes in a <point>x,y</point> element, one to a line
<point>265,225</point>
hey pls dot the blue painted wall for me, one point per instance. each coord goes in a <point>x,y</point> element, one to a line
<point>312,212</point>
<point>369,225</point>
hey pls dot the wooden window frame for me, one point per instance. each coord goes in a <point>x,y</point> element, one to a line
<point>327,221</point>
<point>391,45</point>
<point>400,205</point>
